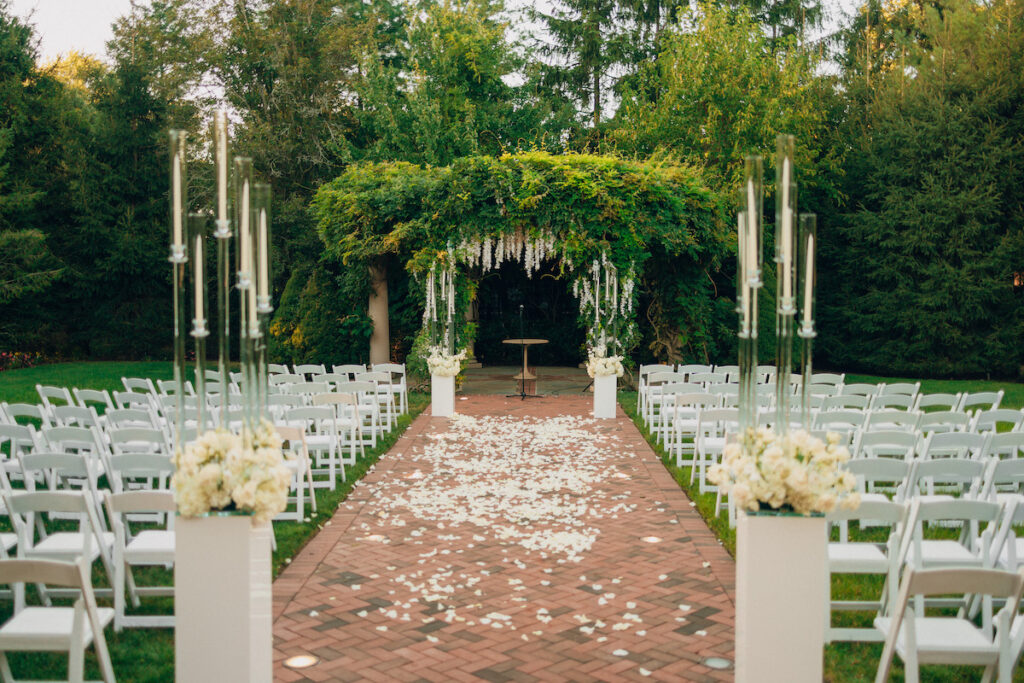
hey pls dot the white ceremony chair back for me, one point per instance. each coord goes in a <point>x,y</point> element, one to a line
<point>98,399</point>
<point>861,389</point>
<point>973,547</point>
<point>880,479</point>
<point>832,378</point>
<point>133,471</point>
<point>120,418</point>
<point>643,374</point>
<point>981,400</point>
<point>954,445</point>
<point>277,369</point>
<point>844,402</point>
<point>888,443</point>
<point>350,369</point>
<point>54,396</point>
<point>707,379</point>
<point>928,403</point>
<point>139,440</point>
<point>903,402</point>
<point>56,629</point>
<point>921,639</point>
<point>284,378</point>
<point>80,440</point>
<point>168,387</point>
<point>138,384</point>
<point>19,439</point>
<point>941,422</point>
<point>955,477</point>
<point>307,370</point>
<point>1004,483</point>
<point>900,388</point>
<point>1006,445</point>
<point>998,420</point>
<point>145,547</point>
<point>731,372</point>
<point>27,414</point>
<point>75,416</point>
<point>891,419</point>
<point>691,368</point>
<point>132,399</point>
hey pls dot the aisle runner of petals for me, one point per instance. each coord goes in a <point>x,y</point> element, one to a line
<point>494,530</point>
<point>537,485</point>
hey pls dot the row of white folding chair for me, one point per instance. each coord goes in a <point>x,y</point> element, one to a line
<point>936,567</point>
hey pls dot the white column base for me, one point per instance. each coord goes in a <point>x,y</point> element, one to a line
<point>222,601</point>
<point>442,396</point>
<point>604,396</point>
<point>781,594</point>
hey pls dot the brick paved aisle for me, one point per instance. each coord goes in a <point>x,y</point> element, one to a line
<point>519,541</point>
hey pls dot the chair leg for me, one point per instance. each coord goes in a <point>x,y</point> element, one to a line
<point>76,662</point>
<point>5,669</point>
<point>132,589</point>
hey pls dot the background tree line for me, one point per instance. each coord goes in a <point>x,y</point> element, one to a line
<point>908,120</point>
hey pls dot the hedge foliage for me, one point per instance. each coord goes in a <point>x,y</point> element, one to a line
<point>657,215</point>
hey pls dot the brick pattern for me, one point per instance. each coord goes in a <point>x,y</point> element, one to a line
<point>382,596</point>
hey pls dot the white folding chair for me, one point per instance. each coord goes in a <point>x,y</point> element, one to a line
<point>927,403</point>
<point>138,384</point>
<point>146,547</point>
<point>1006,445</point>
<point>399,383</point>
<point>887,444</point>
<point>921,639</point>
<point>998,420</point>
<point>714,426</point>
<point>56,629</point>
<point>981,400</point>
<point>298,462</point>
<point>87,542</point>
<point>49,394</point>
<point>27,414</point>
<point>96,398</point>
<point>320,436</point>
<point>844,402</point>
<point>347,426</point>
<point>307,370</point>
<point>134,471</point>
<point>861,558</point>
<point>891,419</point>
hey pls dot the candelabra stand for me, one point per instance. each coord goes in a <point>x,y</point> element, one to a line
<point>197,239</point>
<point>785,310</point>
<point>263,307</point>
<point>223,236</point>
<point>248,328</point>
<point>808,238</point>
<point>178,259</point>
<point>748,287</point>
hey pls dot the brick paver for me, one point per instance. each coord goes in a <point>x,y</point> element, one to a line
<point>418,577</point>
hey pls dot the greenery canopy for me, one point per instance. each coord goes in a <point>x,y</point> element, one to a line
<point>650,217</point>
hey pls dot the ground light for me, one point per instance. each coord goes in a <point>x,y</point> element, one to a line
<point>301,661</point>
<point>717,663</point>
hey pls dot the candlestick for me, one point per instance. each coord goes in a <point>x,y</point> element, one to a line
<point>808,237</point>
<point>178,259</point>
<point>197,238</point>
<point>247,328</point>
<point>179,192</point>
<point>808,278</point>
<point>785,202</point>
<point>220,135</point>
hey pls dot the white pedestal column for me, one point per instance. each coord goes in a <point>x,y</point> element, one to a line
<point>781,592</point>
<point>442,396</point>
<point>222,601</point>
<point>604,396</point>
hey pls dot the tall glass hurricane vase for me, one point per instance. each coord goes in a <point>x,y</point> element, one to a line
<point>197,240</point>
<point>246,287</point>
<point>750,250</point>
<point>263,298</point>
<point>178,259</point>
<point>808,282</point>
<point>785,248</point>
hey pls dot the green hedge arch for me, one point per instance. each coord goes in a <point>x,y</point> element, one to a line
<point>658,218</point>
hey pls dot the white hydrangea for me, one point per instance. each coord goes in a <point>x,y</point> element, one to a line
<point>797,470</point>
<point>442,364</point>
<point>599,364</point>
<point>219,472</point>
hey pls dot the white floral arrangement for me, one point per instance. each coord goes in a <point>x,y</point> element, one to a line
<point>601,365</point>
<point>443,364</point>
<point>218,472</point>
<point>797,471</point>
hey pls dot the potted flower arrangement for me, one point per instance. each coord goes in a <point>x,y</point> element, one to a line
<point>604,370</point>
<point>443,369</point>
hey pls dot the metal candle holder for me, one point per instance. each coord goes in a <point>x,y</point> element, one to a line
<point>223,235</point>
<point>248,330</point>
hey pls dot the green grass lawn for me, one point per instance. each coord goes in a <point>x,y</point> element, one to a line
<point>147,655</point>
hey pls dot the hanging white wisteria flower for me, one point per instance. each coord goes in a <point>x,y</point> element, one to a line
<point>219,472</point>
<point>797,471</point>
<point>443,364</point>
<point>599,364</point>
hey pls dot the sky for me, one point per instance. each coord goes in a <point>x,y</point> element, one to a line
<point>66,25</point>
<point>85,25</point>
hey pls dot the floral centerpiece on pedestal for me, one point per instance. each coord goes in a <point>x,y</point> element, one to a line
<point>795,471</point>
<point>599,364</point>
<point>219,472</point>
<point>444,364</point>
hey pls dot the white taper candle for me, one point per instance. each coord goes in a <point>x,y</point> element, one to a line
<point>176,201</point>
<point>808,280</point>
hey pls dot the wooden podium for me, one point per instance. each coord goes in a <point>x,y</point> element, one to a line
<point>526,381</point>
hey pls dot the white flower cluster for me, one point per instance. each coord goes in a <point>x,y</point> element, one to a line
<point>444,365</point>
<point>797,470</point>
<point>491,252</point>
<point>601,365</point>
<point>218,472</point>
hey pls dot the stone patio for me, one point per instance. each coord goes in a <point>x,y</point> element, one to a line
<point>394,590</point>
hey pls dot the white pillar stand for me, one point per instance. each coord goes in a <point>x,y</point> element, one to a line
<point>222,601</point>
<point>442,396</point>
<point>604,396</point>
<point>781,594</point>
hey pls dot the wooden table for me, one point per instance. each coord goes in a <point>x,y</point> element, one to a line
<point>526,344</point>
